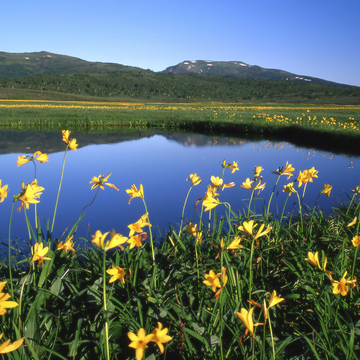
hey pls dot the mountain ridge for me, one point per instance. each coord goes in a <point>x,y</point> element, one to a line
<point>240,69</point>
<point>15,65</point>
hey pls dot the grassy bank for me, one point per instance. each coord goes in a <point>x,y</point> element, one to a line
<point>331,127</point>
<point>247,285</point>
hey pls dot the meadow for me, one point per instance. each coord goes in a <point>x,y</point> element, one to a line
<point>245,285</point>
<point>337,125</point>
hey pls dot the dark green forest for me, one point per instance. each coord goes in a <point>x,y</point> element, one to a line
<point>170,87</point>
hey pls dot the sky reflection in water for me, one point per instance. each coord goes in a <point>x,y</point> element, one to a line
<point>163,166</point>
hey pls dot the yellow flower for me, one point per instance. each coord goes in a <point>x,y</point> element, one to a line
<point>313,259</point>
<point>326,190</point>
<point>22,160</point>
<point>257,171</point>
<point>356,241</point>
<point>38,253</point>
<point>216,182</point>
<point>324,268</point>
<point>235,244</point>
<point>248,227</point>
<point>357,190</point>
<point>195,180</point>
<point>258,186</point>
<point>247,184</point>
<point>229,185</point>
<point>135,241</point>
<point>134,192</point>
<point>68,245</point>
<point>246,317</point>
<point>6,347</point>
<point>3,192</point>
<point>38,155</point>
<point>289,188</point>
<point>234,166</point>
<point>224,164</point>
<point>222,243</point>
<point>211,203</point>
<point>4,304</point>
<point>348,225</point>
<point>274,299</point>
<point>191,229</point>
<point>115,240</point>
<point>212,280</point>
<point>160,337</point>
<point>306,176</point>
<point>261,233</point>
<point>303,178</point>
<point>139,342</point>
<point>341,287</point>
<point>29,194</point>
<point>287,171</point>
<point>71,143</point>
<point>137,227</point>
<point>116,272</point>
<point>312,173</point>
<point>65,135</point>
<point>101,181</point>
<point>210,193</point>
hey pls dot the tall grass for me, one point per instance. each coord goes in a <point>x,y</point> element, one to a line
<point>243,285</point>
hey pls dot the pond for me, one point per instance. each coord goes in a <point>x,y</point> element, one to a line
<point>162,163</point>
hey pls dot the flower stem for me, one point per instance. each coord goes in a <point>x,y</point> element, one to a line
<point>250,267</point>
<point>105,309</point>
<point>303,194</point>
<point>272,336</point>
<point>151,237</point>
<point>282,214</point>
<point>90,203</point>
<point>300,212</point>
<point>10,273</point>
<point>57,198</point>
<point>27,225</point>
<point>353,268</point>
<point>182,215</point>
<point>35,203</point>
<point>272,193</point>
<point>352,199</point>
<point>252,194</point>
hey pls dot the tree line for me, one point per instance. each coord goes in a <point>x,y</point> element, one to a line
<point>149,85</point>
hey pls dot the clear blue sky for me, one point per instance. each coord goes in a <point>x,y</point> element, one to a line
<point>307,37</point>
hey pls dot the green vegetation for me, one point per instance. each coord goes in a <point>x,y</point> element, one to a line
<point>300,124</point>
<point>243,285</point>
<point>149,86</point>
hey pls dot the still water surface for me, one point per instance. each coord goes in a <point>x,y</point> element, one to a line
<point>162,164</point>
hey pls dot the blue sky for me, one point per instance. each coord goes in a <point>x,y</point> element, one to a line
<point>308,37</point>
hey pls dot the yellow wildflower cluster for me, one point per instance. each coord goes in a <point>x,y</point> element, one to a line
<point>310,121</point>
<point>139,341</point>
<point>6,347</point>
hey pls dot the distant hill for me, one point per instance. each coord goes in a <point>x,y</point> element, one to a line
<point>239,69</point>
<point>43,75</point>
<point>13,65</point>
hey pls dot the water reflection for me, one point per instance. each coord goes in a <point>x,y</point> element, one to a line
<point>162,163</point>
